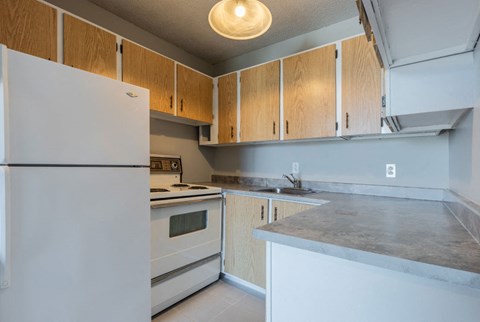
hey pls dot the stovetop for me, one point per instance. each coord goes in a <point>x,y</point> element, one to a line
<point>166,179</point>
<point>176,190</point>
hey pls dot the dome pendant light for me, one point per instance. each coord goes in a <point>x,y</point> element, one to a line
<point>240,19</point>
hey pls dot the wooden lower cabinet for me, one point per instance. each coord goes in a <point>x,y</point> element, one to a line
<point>245,256</point>
<point>283,209</point>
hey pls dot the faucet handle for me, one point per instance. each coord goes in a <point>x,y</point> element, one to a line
<point>293,180</point>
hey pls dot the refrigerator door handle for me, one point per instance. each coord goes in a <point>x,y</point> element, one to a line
<point>4,229</point>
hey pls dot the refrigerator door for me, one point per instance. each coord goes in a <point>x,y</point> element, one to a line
<point>4,230</point>
<point>80,245</point>
<point>55,114</point>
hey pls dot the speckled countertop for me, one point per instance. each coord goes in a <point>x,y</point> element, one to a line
<point>410,236</point>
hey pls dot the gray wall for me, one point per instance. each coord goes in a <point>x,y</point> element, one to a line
<point>465,148</point>
<point>421,162</point>
<point>291,46</point>
<point>109,21</point>
<point>178,139</point>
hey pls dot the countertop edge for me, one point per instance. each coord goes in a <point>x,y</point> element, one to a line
<point>430,271</point>
<point>278,196</point>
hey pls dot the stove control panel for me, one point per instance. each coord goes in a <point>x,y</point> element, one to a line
<point>165,164</point>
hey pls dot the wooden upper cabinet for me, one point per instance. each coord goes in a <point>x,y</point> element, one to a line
<point>144,68</point>
<point>29,26</point>
<point>361,88</point>
<point>194,95</point>
<point>88,47</point>
<point>227,108</point>
<point>260,103</point>
<point>309,93</point>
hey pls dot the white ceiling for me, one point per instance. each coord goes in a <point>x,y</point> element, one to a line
<point>184,23</point>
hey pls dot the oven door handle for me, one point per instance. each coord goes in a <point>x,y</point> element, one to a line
<point>180,202</point>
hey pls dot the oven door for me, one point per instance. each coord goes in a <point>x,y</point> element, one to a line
<point>184,231</point>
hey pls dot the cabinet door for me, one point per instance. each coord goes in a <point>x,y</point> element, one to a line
<point>147,69</point>
<point>309,94</point>
<point>283,209</point>
<point>227,108</point>
<point>89,48</point>
<point>244,255</point>
<point>29,26</point>
<point>194,95</point>
<point>260,103</point>
<point>361,88</point>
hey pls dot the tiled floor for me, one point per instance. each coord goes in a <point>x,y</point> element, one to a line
<point>219,302</point>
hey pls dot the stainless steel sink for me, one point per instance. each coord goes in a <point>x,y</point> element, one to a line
<point>289,191</point>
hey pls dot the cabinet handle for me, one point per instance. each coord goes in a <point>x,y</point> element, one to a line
<point>346,125</point>
<point>171,101</point>
<point>262,214</point>
<point>275,216</point>
<point>287,126</point>
<point>273,127</point>
<point>231,132</point>
<point>181,105</point>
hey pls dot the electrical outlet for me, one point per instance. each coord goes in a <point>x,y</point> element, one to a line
<point>391,170</point>
<point>295,168</point>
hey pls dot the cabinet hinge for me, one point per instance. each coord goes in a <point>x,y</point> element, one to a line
<point>116,47</point>
<point>384,101</point>
<point>121,49</point>
<point>336,53</point>
<point>336,126</point>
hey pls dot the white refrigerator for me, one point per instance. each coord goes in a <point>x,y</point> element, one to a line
<point>74,195</point>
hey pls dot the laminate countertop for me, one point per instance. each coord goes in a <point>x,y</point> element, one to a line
<point>417,237</point>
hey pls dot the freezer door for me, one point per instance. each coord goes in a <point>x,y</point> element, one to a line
<point>55,114</point>
<point>80,245</point>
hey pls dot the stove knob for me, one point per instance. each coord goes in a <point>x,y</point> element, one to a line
<point>174,165</point>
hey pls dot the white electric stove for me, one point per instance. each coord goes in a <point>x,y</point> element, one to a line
<point>186,221</point>
<point>166,180</point>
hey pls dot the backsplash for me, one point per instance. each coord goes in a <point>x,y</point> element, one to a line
<point>362,189</point>
<point>466,211</point>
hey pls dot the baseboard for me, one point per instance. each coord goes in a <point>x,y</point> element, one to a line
<point>243,285</point>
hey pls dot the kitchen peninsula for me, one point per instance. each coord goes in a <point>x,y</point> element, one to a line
<point>374,259</point>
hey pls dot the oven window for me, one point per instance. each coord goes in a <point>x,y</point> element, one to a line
<point>187,223</point>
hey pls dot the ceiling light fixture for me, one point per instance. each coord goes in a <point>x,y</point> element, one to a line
<point>240,19</point>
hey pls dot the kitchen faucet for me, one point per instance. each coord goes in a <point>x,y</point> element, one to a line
<point>296,182</point>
